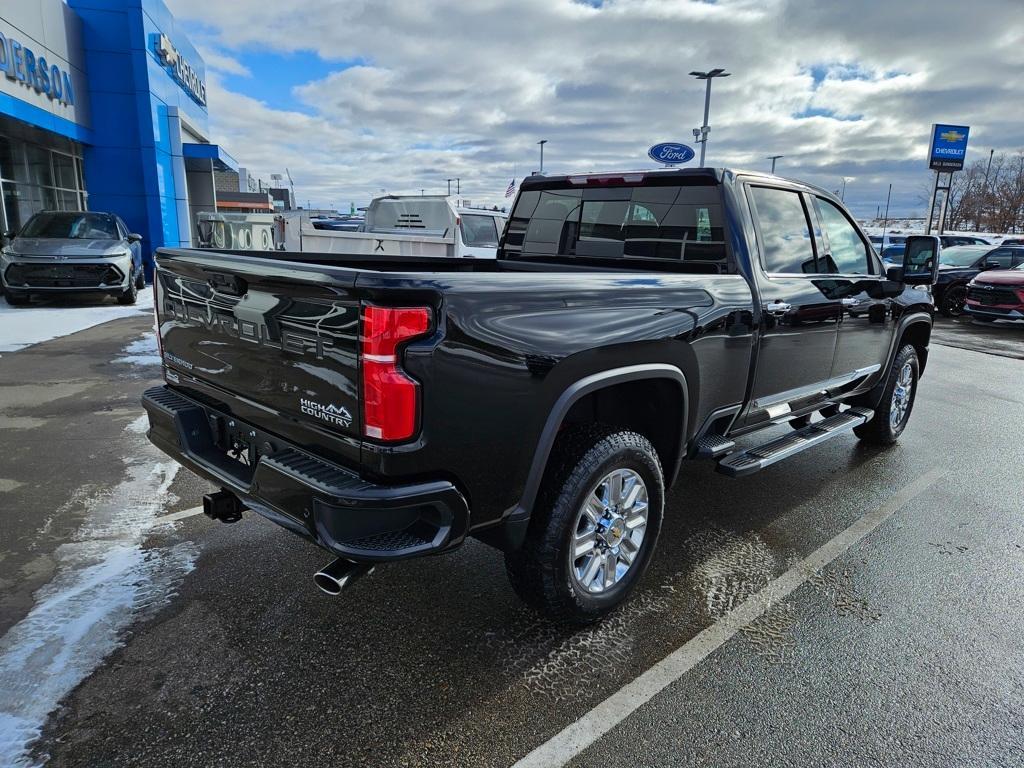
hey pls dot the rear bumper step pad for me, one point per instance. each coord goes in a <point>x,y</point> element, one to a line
<point>755,459</point>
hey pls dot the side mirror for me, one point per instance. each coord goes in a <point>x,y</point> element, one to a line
<point>991,265</point>
<point>921,260</point>
<point>134,237</point>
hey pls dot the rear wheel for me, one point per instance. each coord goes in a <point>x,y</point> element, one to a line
<point>953,301</point>
<point>893,410</point>
<point>594,527</point>
<point>140,280</point>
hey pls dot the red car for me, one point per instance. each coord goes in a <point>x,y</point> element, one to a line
<point>997,295</point>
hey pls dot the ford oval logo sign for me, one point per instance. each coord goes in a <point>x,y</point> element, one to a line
<point>670,153</point>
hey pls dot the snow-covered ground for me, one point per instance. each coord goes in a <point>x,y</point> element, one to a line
<point>142,351</point>
<point>21,327</point>
<point>106,578</point>
<point>916,227</point>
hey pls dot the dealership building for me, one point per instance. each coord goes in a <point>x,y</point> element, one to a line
<point>103,107</point>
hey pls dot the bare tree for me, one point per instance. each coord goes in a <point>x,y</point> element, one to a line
<point>995,204</point>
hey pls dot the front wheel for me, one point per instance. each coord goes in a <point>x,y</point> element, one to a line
<point>893,410</point>
<point>953,301</point>
<point>130,294</point>
<point>594,527</point>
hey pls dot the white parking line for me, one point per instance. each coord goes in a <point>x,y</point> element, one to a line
<point>179,515</point>
<point>575,738</point>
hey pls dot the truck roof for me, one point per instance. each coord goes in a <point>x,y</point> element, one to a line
<point>635,176</point>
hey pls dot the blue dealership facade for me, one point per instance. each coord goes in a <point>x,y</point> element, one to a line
<point>103,107</point>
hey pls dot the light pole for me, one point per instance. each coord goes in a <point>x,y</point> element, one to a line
<point>705,129</point>
<point>542,142</point>
<point>885,221</point>
<point>773,158</point>
<point>842,195</point>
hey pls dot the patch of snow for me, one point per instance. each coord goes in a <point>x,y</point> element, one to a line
<point>22,327</point>
<point>105,578</point>
<point>139,426</point>
<point>142,351</point>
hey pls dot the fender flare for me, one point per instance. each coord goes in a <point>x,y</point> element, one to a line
<point>521,512</point>
<point>911,318</point>
<point>915,317</point>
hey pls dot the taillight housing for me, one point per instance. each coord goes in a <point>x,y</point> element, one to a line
<point>390,398</point>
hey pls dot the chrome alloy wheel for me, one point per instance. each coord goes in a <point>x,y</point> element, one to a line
<point>901,396</point>
<point>609,531</point>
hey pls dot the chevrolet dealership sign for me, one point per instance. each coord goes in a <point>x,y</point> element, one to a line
<point>948,148</point>
<point>181,70</point>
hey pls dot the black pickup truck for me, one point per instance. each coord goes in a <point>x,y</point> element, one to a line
<point>543,401</point>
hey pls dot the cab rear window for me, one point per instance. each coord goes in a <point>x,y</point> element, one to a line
<point>679,224</point>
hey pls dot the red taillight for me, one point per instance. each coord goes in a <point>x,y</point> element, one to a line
<point>1020,295</point>
<point>390,398</point>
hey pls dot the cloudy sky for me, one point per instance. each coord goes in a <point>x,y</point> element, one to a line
<point>358,96</point>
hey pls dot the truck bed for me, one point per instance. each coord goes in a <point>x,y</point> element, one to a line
<point>445,264</point>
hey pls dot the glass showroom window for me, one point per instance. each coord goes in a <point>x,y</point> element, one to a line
<point>35,178</point>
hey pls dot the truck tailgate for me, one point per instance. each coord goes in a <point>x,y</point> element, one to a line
<point>265,337</point>
<point>377,243</point>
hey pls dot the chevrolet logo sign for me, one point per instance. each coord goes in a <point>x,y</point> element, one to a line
<point>951,136</point>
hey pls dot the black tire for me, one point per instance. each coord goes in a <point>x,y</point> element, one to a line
<point>953,300</point>
<point>140,280</point>
<point>880,430</point>
<point>541,571</point>
<point>16,299</point>
<point>130,294</point>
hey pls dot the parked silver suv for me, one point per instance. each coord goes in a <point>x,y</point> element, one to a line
<point>72,251</point>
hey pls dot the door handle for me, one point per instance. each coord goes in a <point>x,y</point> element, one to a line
<point>777,307</point>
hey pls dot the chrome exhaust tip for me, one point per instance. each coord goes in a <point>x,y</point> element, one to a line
<point>333,578</point>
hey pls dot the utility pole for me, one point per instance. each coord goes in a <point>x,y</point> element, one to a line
<point>773,158</point>
<point>885,221</point>
<point>701,134</point>
<point>542,142</point>
<point>449,186</point>
<point>842,195</point>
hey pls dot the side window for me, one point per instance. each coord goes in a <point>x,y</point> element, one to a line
<point>1018,257</point>
<point>849,253</point>
<point>479,231</point>
<point>785,231</point>
<point>1003,257</point>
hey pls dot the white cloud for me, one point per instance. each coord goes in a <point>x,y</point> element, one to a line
<point>450,88</point>
<point>218,61</point>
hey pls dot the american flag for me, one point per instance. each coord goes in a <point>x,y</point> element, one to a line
<point>511,188</point>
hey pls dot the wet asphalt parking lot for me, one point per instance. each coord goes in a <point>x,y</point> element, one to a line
<point>850,606</point>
